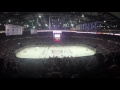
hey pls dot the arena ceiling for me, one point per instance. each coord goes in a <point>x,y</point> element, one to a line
<point>117,14</point>
<point>89,16</point>
<point>23,18</point>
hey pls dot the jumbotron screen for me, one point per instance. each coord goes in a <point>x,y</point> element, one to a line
<point>57,35</point>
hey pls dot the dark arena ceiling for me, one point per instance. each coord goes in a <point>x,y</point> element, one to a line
<point>117,14</point>
<point>23,18</point>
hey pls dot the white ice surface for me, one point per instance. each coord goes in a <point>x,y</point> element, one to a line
<point>46,51</point>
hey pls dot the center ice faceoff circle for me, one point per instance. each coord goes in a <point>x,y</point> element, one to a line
<point>36,52</point>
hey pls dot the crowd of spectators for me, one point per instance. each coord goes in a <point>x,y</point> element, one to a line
<point>105,63</point>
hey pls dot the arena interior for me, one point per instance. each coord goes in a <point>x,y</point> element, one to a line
<point>59,45</point>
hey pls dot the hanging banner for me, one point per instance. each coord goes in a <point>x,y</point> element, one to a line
<point>13,29</point>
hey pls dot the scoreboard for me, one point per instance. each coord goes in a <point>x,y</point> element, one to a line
<point>57,36</point>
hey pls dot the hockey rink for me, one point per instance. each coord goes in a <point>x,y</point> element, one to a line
<point>36,52</point>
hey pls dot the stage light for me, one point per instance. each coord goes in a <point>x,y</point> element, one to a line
<point>9,20</point>
<point>34,27</point>
<point>46,25</point>
<point>39,24</point>
<point>82,15</point>
<point>27,25</point>
<point>72,25</point>
<point>39,16</point>
<point>104,21</point>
